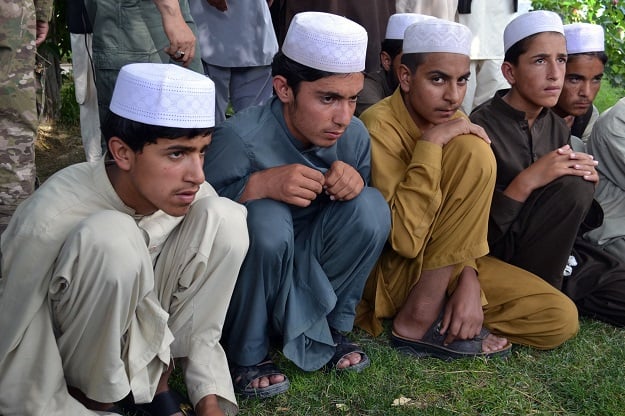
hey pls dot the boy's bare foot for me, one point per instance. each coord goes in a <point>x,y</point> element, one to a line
<point>493,343</point>
<point>261,380</point>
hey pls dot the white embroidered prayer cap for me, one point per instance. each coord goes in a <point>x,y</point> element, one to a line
<point>327,42</point>
<point>164,95</point>
<point>398,22</point>
<point>530,23</point>
<point>584,37</point>
<point>437,35</point>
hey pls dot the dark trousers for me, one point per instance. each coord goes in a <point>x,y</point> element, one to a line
<point>596,283</point>
<point>547,232</point>
<point>542,237</point>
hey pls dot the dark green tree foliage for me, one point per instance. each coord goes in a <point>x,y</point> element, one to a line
<point>608,13</point>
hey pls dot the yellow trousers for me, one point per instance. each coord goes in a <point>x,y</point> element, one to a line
<point>517,304</point>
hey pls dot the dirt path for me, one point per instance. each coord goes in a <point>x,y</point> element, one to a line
<point>55,148</point>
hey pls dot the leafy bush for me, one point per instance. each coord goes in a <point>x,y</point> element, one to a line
<point>608,13</point>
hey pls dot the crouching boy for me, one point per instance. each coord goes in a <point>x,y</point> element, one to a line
<point>115,268</point>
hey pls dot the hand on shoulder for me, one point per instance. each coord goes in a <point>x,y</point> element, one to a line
<point>443,133</point>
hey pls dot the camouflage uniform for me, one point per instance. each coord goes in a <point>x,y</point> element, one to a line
<point>18,108</point>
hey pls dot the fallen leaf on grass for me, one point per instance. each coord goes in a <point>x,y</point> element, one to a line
<point>402,401</point>
<point>342,406</point>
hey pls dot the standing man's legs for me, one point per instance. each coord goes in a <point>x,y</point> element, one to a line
<point>489,79</point>
<point>243,87</point>
<point>18,108</point>
<point>250,86</point>
<point>86,94</point>
<point>221,77</point>
<point>486,79</point>
<point>138,36</point>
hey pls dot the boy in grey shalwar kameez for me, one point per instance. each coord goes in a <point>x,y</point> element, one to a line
<point>301,165</point>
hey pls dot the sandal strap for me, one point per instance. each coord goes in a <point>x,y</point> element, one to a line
<point>242,376</point>
<point>343,348</point>
<point>471,346</point>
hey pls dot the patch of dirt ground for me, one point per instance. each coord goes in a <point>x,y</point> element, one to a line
<point>56,147</point>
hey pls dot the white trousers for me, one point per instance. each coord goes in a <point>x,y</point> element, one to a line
<point>86,95</point>
<point>486,78</point>
<point>120,319</point>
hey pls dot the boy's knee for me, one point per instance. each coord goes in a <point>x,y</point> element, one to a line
<point>270,226</point>
<point>470,157</point>
<point>472,148</point>
<point>112,234</point>
<point>564,319</point>
<point>573,191</point>
<point>371,214</point>
<point>229,219</point>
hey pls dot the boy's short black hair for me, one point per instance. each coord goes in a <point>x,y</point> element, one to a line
<point>136,134</point>
<point>602,56</point>
<point>294,72</point>
<point>392,46</point>
<point>413,60</point>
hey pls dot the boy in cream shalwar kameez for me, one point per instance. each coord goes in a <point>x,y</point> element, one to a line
<point>112,269</point>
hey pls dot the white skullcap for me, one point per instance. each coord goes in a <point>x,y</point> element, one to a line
<point>164,95</point>
<point>326,42</point>
<point>583,37</point>
<point>398,22</point>
<point>530,23</point>
<point>437,35</point>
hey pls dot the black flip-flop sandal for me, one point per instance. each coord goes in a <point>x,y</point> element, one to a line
<point>344,347</point>
<point>432,345</point>
<point>242,377</point>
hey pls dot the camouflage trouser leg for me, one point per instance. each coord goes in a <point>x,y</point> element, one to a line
<point>18,109</point>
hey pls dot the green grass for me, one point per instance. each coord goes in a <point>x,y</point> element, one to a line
<point>607,97</point>
<point>585,376</point>
<point>582,377</point>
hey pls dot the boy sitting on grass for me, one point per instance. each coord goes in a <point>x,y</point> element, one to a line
<point>437,174</point>
<point>544,193</point>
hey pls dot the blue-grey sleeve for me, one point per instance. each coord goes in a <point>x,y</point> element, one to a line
<point>227,165</point>
<point>362,151</point>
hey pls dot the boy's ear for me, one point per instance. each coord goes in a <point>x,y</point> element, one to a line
<point>282,89</point>
<point>121,153</point>
<point>386,61</point>
<point>507,69</point>
<point>404,75</point>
